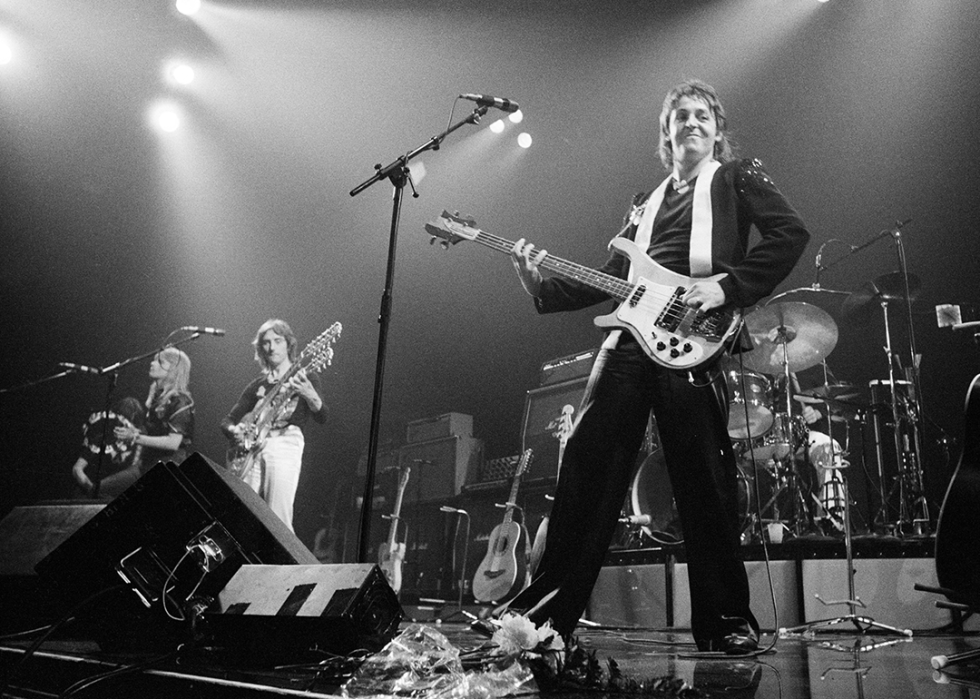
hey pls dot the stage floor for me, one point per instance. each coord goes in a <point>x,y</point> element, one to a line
<point>837,665</point>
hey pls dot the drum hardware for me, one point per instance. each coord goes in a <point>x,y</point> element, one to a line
<point>789,336</point>
<point>905,411</point>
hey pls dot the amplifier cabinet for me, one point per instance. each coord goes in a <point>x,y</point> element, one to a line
<point>548,413</point>
<point>440,467</point>
<point>447,425</point>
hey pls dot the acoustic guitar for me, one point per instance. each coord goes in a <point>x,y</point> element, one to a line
<point>504,572</point>
<point>391,554</point>
<point>958,530</point>
<point>258,423</point>
<point>671,333</point>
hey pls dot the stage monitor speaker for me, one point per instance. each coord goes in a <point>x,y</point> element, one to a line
<point>27,535</point>
<point>548,412</point>
<point>185,529</point>
<point>271,612</point>
<point>440,467</point>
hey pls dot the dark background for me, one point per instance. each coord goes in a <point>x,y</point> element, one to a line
<point>113,234</point>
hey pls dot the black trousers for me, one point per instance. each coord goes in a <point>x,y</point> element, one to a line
<point>595,478</point>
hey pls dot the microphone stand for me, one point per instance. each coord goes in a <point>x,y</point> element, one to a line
<point>397,172</point>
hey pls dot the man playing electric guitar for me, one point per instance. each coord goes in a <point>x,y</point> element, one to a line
<point>272,467</point>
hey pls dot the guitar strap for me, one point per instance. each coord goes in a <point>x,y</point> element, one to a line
<point>701,223</point>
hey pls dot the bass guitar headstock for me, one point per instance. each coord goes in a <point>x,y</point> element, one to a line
<point>452,228</point>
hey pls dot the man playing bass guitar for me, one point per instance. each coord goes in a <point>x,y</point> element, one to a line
<point>272,468</point>
<point>696,224</point>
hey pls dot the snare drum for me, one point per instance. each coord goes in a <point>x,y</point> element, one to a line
<point>749,415</point>
<point>788,433</point>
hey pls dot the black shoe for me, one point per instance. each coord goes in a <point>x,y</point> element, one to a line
<point>741,643</point>
<point>483,627</point>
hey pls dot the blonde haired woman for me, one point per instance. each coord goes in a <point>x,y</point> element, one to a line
<point>167,426</point>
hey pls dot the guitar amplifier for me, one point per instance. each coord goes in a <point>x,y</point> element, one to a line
<point>567,368</point>
<point>440,467</point>
<point>447,425</point>
<point>548,412</point>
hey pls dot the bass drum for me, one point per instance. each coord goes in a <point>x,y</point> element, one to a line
<point>652,497</point>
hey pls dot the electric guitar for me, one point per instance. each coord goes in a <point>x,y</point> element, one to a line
<point>957,542</point>
<point>503,572</point>
<point>391,553</point>
<point>672,334</point>
<point>257,424</point>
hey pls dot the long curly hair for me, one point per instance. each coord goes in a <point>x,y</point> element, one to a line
<point>176,381</point>
<point>696,89</point>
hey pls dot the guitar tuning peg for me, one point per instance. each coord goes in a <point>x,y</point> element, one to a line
<point>444,245</point>
<point>432,240</point>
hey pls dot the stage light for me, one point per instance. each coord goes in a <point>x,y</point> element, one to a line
<point>166,118</point>
<point>6,53</point>
<point>187,7</point>
<point>180,73</point>
<point>516,117</point>
<point>497,126</point>
<point>524,140</point>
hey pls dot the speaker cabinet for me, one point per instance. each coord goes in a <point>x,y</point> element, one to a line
<point>548,413</point>
<point>186,528</point>
<point>440,467</point>
<point>269,611</point>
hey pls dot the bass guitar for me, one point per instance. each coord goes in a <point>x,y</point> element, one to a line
<point>392,553</point>
<point>957,543</point>
<point>672,334</point>
<point>258,423</point>
<point>503,572</point>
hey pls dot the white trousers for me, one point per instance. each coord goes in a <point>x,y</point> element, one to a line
<point>275,477</point>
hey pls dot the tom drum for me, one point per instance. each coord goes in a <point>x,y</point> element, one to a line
<point>749,414</point>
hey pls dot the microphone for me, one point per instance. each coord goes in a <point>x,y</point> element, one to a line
<point>504,105</point>
<point>81,368</point>
<point>203,330</point>
<point>816,280</point>
<point>453,510</point>
<point>637,520</point>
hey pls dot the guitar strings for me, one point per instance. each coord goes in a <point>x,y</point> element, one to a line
<point>617,287</point>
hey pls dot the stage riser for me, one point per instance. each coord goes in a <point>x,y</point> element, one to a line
<point>656,595</point>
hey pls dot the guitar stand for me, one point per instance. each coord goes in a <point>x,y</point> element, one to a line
<point>459,611</point>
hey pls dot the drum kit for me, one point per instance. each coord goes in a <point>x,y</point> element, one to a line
<point>802,469</point>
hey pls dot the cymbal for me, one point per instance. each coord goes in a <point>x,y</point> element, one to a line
<point>791,332</point>
<point>886,288</point>
<point>830,392</point>
<point>829,300</point>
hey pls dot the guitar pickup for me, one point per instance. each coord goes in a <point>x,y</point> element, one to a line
<point>673,313</point>
<point>637,295</point>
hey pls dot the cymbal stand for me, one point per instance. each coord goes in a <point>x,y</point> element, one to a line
<point>799,510</point>
<point>861,622</point>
